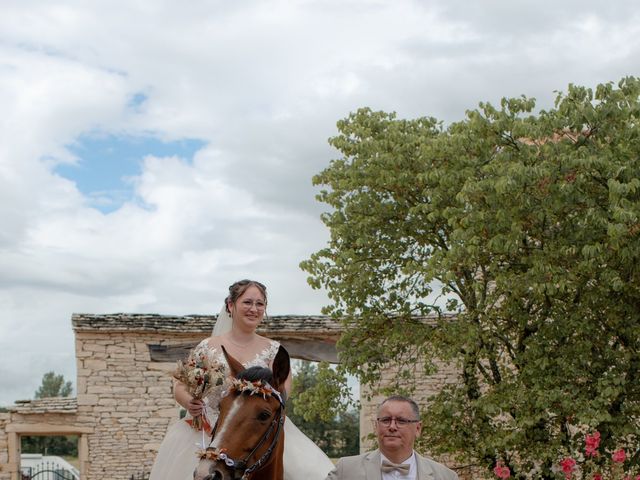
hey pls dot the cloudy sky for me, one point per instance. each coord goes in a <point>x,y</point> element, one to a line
<point>152,152</point>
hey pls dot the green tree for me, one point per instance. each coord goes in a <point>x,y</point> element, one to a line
<point>528,224</point>
<point>335,433</point>
<point>52,386</point>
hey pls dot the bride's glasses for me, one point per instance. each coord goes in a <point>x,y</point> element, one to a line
<point>259,304</point>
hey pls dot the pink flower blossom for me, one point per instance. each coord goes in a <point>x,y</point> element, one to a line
<point>501,471</point>
<point>597,476</point>
<point>568,464</point>
<point>619,456</point>
<point>592,442</point>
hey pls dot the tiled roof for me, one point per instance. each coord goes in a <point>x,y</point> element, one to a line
<point>45,405</point>
<point>281,324</point>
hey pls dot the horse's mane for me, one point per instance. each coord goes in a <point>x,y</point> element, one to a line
<point>254,374</point>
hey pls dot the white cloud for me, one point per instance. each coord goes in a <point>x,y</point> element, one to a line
<point>262,84</point>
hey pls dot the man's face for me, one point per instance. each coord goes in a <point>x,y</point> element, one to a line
<point>397,438</point>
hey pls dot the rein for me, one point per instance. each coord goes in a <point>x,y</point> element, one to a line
<point>216,454</point>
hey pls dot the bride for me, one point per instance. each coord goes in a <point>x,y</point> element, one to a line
<point>235,329</point>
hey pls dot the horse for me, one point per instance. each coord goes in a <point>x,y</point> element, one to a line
<point>247,441</point>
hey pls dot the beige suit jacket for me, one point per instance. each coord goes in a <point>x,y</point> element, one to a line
<point>367,467</point>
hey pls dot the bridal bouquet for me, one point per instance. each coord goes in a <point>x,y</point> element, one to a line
<point>202,376</point>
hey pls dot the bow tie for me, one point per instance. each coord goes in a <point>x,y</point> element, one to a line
<point>403,468</point>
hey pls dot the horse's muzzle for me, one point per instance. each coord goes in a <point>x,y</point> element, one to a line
<point>214,476</point>
<point>211,470</point>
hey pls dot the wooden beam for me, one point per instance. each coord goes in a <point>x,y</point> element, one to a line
<point>308,350</point>
<point>169,353</point>
<point>313,350</point>
<point>47,429</point>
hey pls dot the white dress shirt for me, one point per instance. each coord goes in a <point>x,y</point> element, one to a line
<point>395,474</point>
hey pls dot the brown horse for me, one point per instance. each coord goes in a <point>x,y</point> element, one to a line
<point>248,439</point>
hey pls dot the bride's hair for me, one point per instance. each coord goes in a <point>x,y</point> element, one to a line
<point>238,288</point>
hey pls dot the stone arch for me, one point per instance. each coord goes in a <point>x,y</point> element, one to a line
<point>47,416</point>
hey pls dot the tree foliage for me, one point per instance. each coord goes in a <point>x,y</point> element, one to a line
<point>529,225</point>
<point>335,430</point>
<point>52,386</point>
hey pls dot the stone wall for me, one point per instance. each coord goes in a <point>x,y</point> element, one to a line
<point>47,416</point>
<point>127,397</point>
<point>4,446</point>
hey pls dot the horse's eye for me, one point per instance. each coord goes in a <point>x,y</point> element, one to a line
<point>264,415</point>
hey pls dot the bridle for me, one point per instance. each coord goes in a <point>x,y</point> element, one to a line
<point>240,466</point>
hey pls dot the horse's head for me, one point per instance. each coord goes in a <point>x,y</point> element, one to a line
<point>248,436</point>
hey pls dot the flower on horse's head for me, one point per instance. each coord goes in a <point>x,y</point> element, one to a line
<point>210,453</point>
<point>257,387</point>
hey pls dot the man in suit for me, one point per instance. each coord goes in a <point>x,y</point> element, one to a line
<point>397,427</point>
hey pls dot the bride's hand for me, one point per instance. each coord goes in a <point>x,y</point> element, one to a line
<point>194,407</point>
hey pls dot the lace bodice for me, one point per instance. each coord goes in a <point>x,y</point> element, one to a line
<point>262,359</point>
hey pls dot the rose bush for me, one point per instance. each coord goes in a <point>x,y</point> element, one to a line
<point>588,465</point>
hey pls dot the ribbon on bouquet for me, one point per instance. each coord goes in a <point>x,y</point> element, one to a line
<point>206,424</point>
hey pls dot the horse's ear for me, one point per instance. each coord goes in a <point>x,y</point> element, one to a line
<point>281,367</point>
<point>234,365</point>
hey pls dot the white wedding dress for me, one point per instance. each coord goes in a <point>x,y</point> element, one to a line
<point>176,459</point>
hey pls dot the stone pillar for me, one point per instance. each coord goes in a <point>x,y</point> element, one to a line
<point>14,456</point>
<point>4,447</point>
<point>83,456</point>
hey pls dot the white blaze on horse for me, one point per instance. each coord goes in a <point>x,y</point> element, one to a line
<point>248,438</point>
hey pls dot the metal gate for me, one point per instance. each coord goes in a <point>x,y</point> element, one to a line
<point>47,471</point>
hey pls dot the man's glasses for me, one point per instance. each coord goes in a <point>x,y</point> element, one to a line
<point>400,422</point>
<point>259,304</point>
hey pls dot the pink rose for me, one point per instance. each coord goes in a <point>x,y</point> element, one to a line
<point>501,471</point>
<point>592,442</point>
<point>619,456</point>
<point>597,476</point>
<point>568,464</point>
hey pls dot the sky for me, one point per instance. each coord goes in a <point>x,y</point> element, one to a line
<point>153,152</point>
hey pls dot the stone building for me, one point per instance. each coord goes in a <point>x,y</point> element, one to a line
<point>124,403</point>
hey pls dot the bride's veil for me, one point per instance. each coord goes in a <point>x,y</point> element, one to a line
<point>223,322</point>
